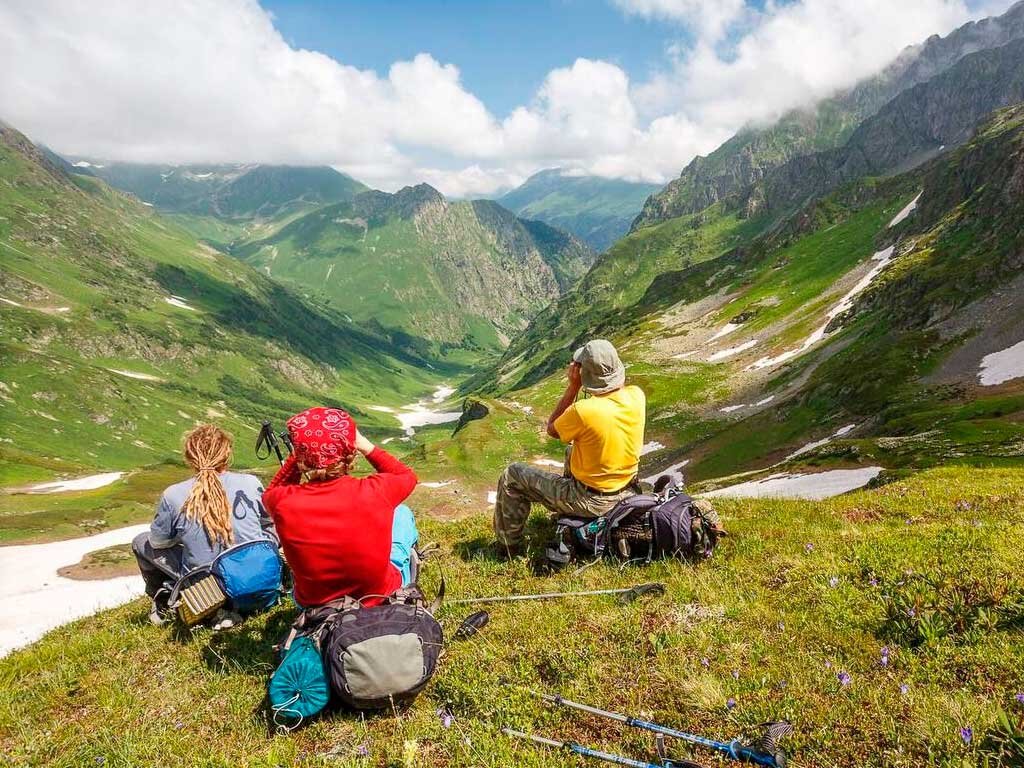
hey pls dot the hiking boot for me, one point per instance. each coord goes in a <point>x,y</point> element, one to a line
<point>225,620</point>
<point>503,553</point>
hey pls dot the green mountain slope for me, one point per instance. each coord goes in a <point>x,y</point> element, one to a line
<point>598,211</point>
<point>121,330</point>
<point>753,153</point>
<point>832,322</point>
<point>462,274</point>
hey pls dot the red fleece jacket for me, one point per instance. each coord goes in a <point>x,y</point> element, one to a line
<point>336,534</point>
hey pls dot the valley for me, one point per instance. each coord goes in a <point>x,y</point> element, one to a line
<point>825,313</point>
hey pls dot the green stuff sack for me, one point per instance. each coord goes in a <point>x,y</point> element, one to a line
<point>298,688</point>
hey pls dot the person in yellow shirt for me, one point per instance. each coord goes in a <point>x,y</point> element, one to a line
<point>605,432</point>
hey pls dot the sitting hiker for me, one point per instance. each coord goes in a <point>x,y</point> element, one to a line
<point>341,535</point>
<point>606,432</point>
<point>199,518</point>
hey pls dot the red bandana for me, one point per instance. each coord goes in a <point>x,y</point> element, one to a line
<point>322,436</point>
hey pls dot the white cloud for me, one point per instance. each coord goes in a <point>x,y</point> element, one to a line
<point>213,80</point>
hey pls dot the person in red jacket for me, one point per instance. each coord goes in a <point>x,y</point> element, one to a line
<point>341,535</point>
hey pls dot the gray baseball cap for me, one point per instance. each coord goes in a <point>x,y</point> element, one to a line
<point>601,370</point>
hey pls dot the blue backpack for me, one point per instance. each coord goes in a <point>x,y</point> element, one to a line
<point>250,575</point>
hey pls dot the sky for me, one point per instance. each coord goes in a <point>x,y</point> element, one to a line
<point>471,96</point>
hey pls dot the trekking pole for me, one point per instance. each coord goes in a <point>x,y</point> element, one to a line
<point>764,752</point>
<point>608,757</point>
<point>626,595</point>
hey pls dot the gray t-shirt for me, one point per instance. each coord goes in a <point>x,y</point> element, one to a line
<point>249,519</point>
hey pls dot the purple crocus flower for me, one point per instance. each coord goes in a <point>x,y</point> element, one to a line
<point>828,664</point>
<point>731,703</point>
<point>844,678</point>
<point>904,689</point>
<point>362,750</point>
<point>911,612</point>
<point>833,582</point>
<point>808,547</point>
<point>446,717</point>
<point>873,581</point>
<point>735,674</point>
<point>1020,698</point>
<point>967,733</point>
<point>705,662</point>
<point>885,656</point>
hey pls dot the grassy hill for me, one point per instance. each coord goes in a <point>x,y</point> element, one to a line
<point>598,211</point>
<point>720,339</point>
<point>800,597</point>
<point>461,274</point>
<point>121,331</point>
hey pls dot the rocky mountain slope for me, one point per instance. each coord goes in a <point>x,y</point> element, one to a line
<point>121,330</point>
<point>859,329</point>
<point>460,274</point>
<point>598,211</point>
<point>745,160</point>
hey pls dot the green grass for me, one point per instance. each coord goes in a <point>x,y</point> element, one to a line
<point>800,592</point>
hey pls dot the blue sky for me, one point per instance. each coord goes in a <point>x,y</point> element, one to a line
<point>503,48</point>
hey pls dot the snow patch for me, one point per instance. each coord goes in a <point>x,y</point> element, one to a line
<point>135,375</point>
<point>442,484</point>
<point>666,471</point>
<point>821,485</point>
<point>34,599</point>
<point>818,443</point>
<point>725,330</point>
<point>650,447</point>
<point>177,301</point>
<point>883,258</point>
<point>909,209</point>
<point>727,353</point>
<point>1002,366</point>
<point>89,483</point>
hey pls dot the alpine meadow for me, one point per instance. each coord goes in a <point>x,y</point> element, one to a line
<point>630,382</point>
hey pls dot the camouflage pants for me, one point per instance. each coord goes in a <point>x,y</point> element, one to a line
<point>522,485</point>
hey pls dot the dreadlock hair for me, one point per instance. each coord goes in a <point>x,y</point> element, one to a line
<point>208,452</point>
<point>338,469</point>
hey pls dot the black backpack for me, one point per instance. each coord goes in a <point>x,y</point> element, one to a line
<point>647,526</point>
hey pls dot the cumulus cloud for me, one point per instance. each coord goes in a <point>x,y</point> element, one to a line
<point>214,81</point>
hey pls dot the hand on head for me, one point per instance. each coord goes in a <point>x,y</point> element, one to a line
<point>573,374</point>
<point>363,445</point>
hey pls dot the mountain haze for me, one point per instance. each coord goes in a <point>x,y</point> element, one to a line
<point>598,211</point>
<point>745,159</point>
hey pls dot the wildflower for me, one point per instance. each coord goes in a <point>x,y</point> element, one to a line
<point>446,717</point>
<point>967,733</point>
<point>731,703</point>
<point>833,582</point>
<point>705,663</point>
<point>1019,698</point>
<point>873,581</point>
<point>781,626</point>
<point>844,678</point>
<point>735,674</point>
<point>808,547</point>
<point>179,725</point>
<point>885,656</point>
<point>904,689</point>
<point>911,612</point>
<point>362,750</point>
<point>828,664</point>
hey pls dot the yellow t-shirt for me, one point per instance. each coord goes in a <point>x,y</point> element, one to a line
<point>606,432</point>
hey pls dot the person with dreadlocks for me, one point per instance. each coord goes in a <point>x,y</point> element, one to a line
<point>199,518</point>
<point>341,535</point>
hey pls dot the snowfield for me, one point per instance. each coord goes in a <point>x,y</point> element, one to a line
<point>90,483</point>
<point>34,599</point>
<point>1002,366</point>
<point>821,485</point>
<point>906,211</point>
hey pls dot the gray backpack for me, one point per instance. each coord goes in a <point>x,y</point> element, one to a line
<point>382,656</point>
